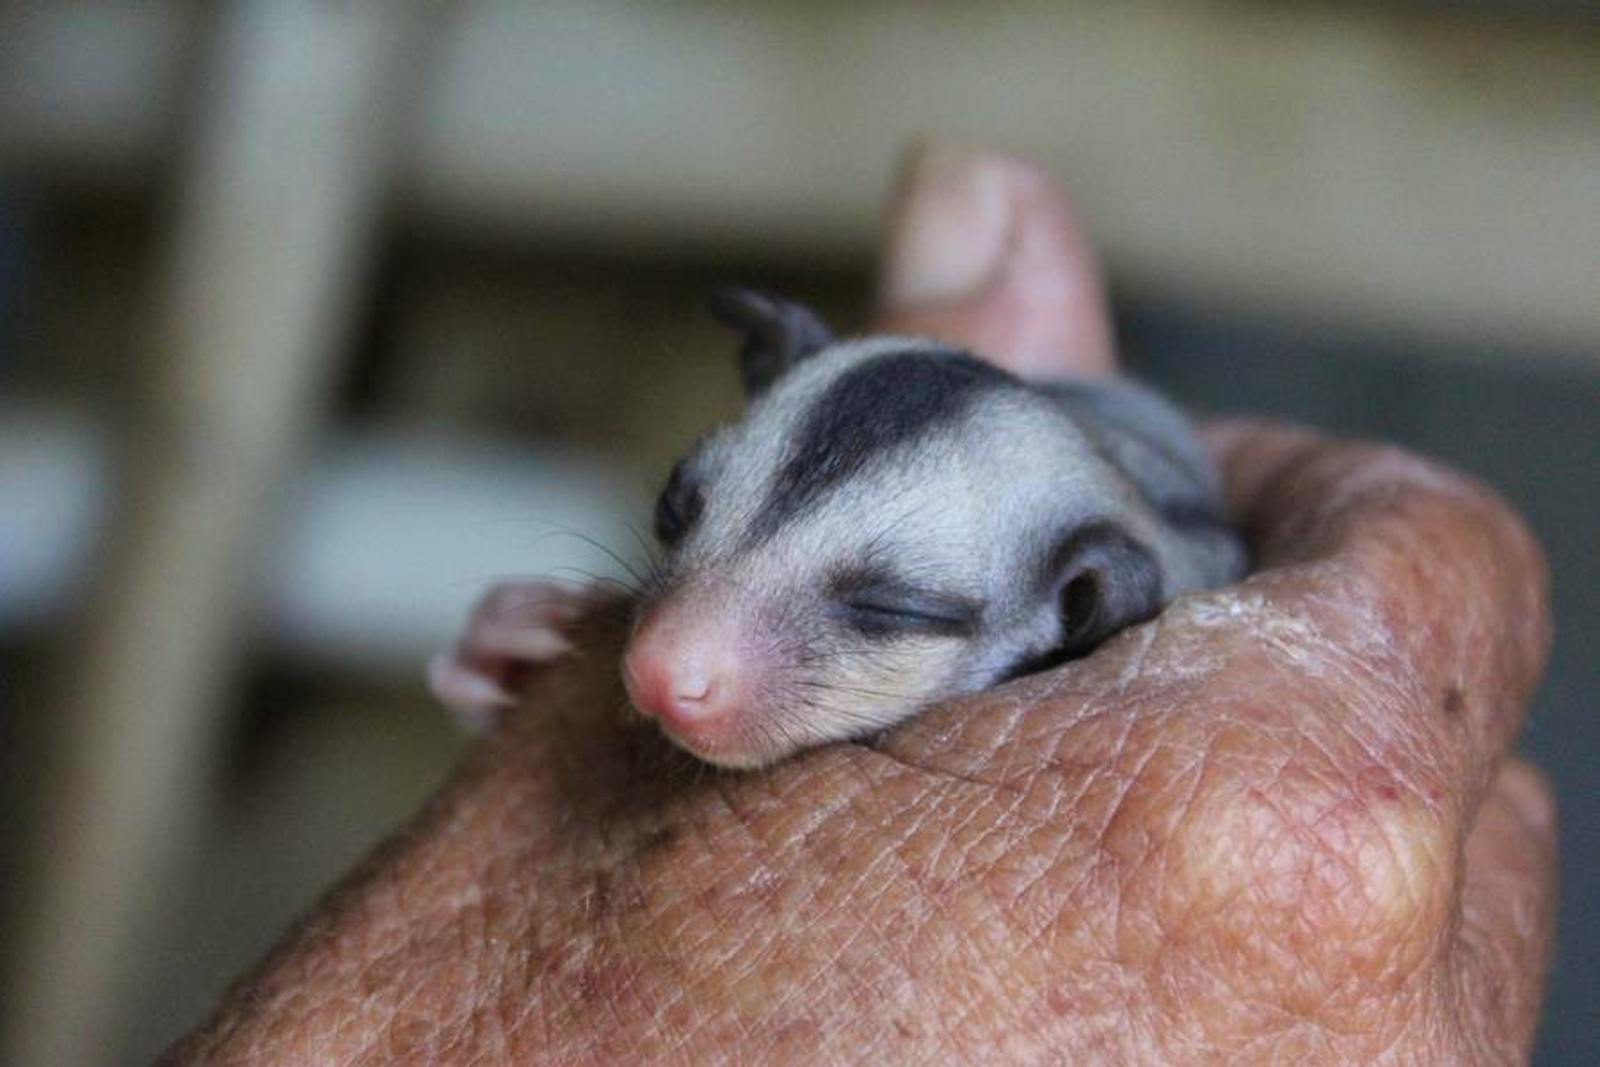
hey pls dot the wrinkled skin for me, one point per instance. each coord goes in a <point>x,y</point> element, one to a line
<point>1279,822</point>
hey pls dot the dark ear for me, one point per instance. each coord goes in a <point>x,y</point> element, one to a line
<point>777,333</point>
<point>1104,581</point>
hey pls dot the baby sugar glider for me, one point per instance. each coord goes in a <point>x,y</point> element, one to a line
<point>893,521</point>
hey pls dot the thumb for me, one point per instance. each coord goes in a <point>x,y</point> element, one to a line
<point>984,251</point>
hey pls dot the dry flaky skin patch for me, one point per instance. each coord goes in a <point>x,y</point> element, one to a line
<point>1233,834</point>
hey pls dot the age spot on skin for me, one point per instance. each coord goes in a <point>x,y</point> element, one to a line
<point>612,892</point>
<point>600,894</point>
<point>657,841</point>
<point>1454,701</point>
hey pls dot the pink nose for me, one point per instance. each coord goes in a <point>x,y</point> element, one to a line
<point>685,678</point>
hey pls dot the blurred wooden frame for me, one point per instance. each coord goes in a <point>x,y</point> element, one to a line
<point>274,230</point>
<point>1428,168</point>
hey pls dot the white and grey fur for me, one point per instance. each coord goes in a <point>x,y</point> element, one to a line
<point>897,522</point>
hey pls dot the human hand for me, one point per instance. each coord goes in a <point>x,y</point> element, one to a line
<point>1277,821</point>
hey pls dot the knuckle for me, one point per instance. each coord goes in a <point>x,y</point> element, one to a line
<point>1428,535</point>
<point>1307,879</point>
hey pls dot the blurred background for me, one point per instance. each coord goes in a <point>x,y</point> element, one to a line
<point>315,318</point>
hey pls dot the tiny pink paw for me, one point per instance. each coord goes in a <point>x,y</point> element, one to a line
<point>515,628</point>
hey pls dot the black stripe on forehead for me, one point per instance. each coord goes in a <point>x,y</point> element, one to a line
<point>869,411</point>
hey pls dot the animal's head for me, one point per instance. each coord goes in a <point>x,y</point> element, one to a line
<point>892,521</point>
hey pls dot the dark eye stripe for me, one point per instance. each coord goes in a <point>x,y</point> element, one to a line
<point>867,413</point>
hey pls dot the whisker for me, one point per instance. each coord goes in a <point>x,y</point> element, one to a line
<point>602,581</point>
<point>610,553</point>
<point>647,545</point>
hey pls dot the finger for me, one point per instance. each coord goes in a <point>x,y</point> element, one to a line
<point>1508,910</point>
<point>1427,575</point>
<point>983,251</point>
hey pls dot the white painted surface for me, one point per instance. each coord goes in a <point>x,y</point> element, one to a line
<point>384,546</point>
<point>393,539</point>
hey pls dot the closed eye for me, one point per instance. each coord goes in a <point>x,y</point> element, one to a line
<point>678,507</point>
<point>888,611</point>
